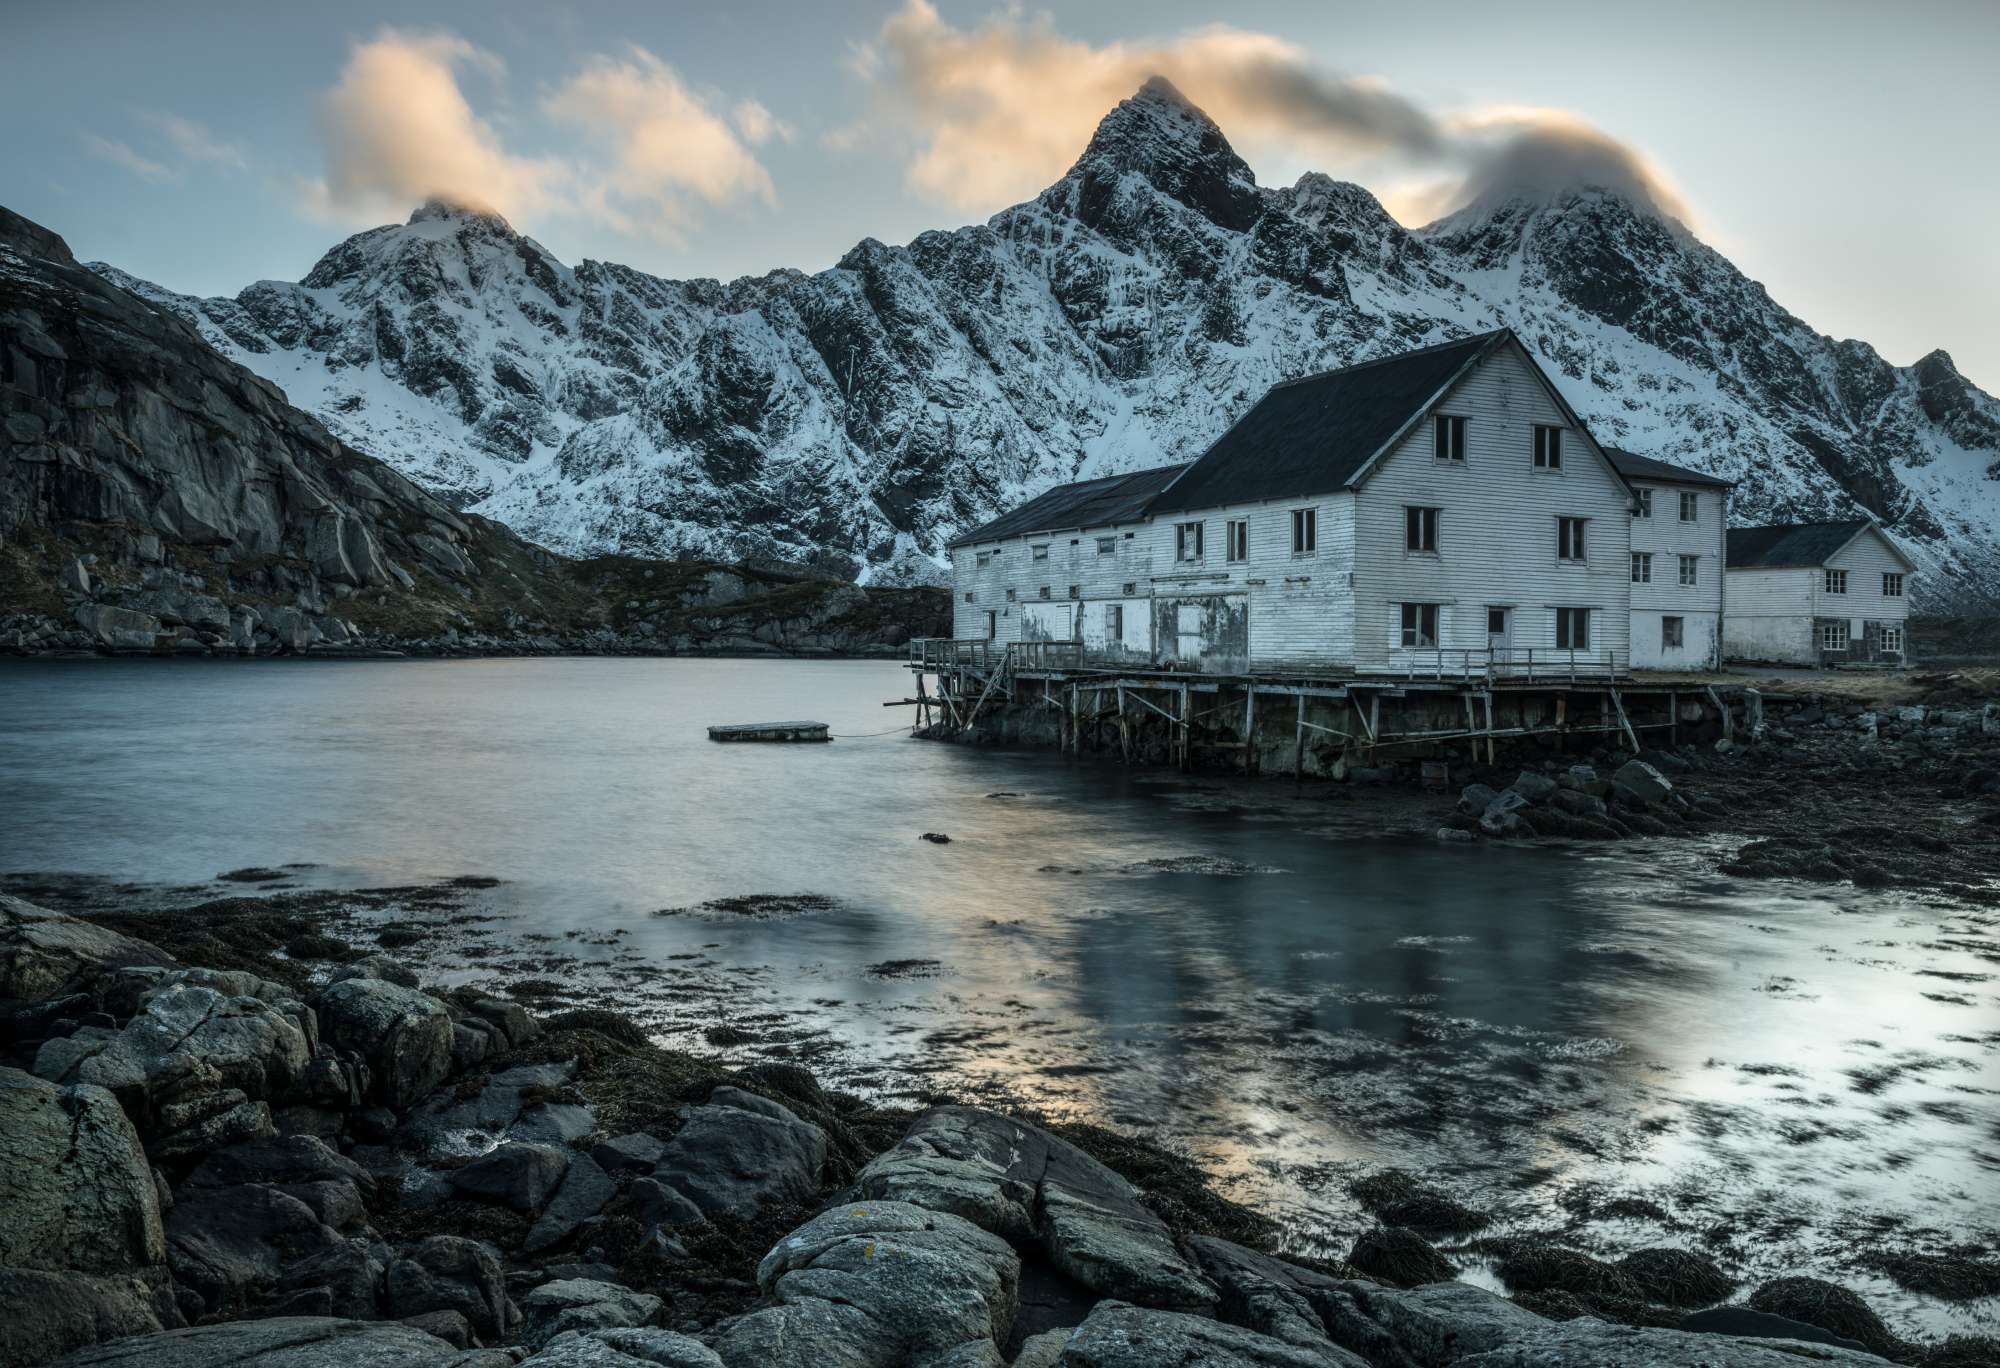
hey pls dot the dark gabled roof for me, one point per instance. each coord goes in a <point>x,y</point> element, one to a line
<point>1319,432</point>
<point>1086,503</point>
<point>1765,548</point>
<point>1633,466</point>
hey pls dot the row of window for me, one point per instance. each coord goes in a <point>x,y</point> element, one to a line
<point>1836,636</point>
<point>1420,535</point>
<point>1420,627</point>
<point>1690,506</point>
<point>1642,568</point>
<point>1836,583</point>
<point>1448,442</point>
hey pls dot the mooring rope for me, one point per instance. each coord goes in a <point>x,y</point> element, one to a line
<point>862,736</point>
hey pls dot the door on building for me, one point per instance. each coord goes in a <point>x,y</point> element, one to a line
<point>1499,633</point>
<point>1187,630</point>
<point>992,624</point>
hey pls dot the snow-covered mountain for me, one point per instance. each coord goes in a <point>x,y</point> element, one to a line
<point>855,419</point>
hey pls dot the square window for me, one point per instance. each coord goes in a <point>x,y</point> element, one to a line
<point>1670,633</point>
<point>983,559</point>
<point>1420,530</point>
<point>1131,588</point>
<point>1420,625</point>
<point>1076,591</point>
<point>1236,542</point>
<point>1836,583</point>
<point>968,596</point>
<point>1042,552</point>
<point>1012,596</point>
<point>1187,542</point>
<point>1305,531</point>
<point>1892,587</point>
<point>1044,591</point>
<point>1450,439</point>
<point>1690,507</point>
<point>1569,538</point>
<point>1642,567</point>
<point>1572,629</point>
<point>1106,545</point>
<point>1690,570</point>
<point>1548,447</point>
<point>1645,508</point>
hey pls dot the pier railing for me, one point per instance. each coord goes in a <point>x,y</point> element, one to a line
<point>1528,664</point>
<point>977,653</point>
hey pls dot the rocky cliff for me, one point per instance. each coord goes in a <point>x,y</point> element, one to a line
<point>155,496</point>
<point>856,418</point>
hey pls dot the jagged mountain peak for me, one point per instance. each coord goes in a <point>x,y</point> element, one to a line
<point>1161,136</point>
<point>443,208</point>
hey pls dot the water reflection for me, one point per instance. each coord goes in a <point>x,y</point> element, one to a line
<point>1530,1023</point>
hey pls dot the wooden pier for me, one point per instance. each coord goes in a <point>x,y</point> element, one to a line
<point>1050,694</point>
<point>770,731</point>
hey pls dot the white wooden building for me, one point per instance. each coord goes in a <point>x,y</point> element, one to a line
<point>1441,511</point>
<point>1680,528</point>
<point>1817,594</point>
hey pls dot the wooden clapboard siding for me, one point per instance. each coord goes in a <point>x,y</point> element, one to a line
<point>1666,538</point>
<point>1497,528</point>
<point>1865,559</point>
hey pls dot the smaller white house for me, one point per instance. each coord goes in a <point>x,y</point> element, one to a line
<point>1828,593</point>
<point>1680,526</point>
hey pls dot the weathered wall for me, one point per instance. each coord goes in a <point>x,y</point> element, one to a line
<point>1701,606</point>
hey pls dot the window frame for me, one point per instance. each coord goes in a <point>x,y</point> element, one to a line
<point>1305,532</point>
<point>1236,541</point>
<point>1131,589</point>
<point>1690,506</point>
<point>1581,547</point>
<point>1828,632</point>
<point>1448,438</point>
<point>1833,581</point>
<point>1013,596</point>
<point>1892,584</point>
<point>1076,591</point>
<point>1548,446</point>
<point>982,559</point>
<point>1645,500</point>
<point>1107,546</point>
<point>1883,636</point>
<point>1414,526</point>
<point>1411,625</point>
<point>1676,639</point>
<point>1642,567</point>
<point>1039,553</point>
<point>1183,534</point>
<point>1568,618</point>
<point>1690,572</point>
<point>1114,623</point>
<point>1044,592</point>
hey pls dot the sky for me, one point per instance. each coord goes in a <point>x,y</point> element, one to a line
<point>1846,155</point>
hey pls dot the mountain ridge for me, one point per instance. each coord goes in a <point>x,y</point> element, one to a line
<point>853,419</point>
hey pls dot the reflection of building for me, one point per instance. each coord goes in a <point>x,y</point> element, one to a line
<point>1439,511</point>
<point>1817,594</point>
<point>1679,523</point>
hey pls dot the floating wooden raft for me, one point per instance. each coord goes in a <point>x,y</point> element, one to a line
<point>770,731</point>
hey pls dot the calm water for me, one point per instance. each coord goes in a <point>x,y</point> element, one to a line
<point>1230,967</point>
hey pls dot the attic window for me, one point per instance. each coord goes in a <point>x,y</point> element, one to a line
<point>1548,447</point>
<point>1690,507</point>
<point>1645,509</point>
<point>1042,551</point>
<point>1305,531</point>
<point>983,559</point>
<point>1836,583</point>
<point>1892,586</point>
<point>1237,539</point>
<point>1106,545</point>
<point>1187,541</point>
<point>1450,439</point>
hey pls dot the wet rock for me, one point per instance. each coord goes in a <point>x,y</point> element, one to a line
<point>1422,1326</point>
<point>1531,1267</point>
<point>1117,1335</point>
<point>249,1044</point>
<point>585,1190</point>
<point>1588,1341</point>
<point>1399,1199</point>
<point>233,1245</point>
<point>451,1273</point>
<point>878,1285</point>
<point>404,1035</point>
<point>583,1304</point>
<point>383,967</point>
<point>1744,1323</point>
<point>284,1162</point>
<point>656,1204</point>
<point>936,838</point>
<point>79,1194</point>
<point>118,629</point>
<point>1264,1293</point>
<point>1024,1184</point>
<point>1474,799</point>
<point>227,1118</point>
<point>49,1313</point>
<point>517,1174</point>
<point>633,1153</point>
<point>511,1018</point>
<point>1534,787</point>
<point>448,1326</point>
<point>642,1348</point>
<point>1639,783</point>
<point>470,1044</point>
<point>46,954</point>
<point>509,1105</point>
<point>1578,804</point>
<point>1454,836</point>
<point>740,1151</point>
<point>280,1342</point>
<point>1400,1257</point>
